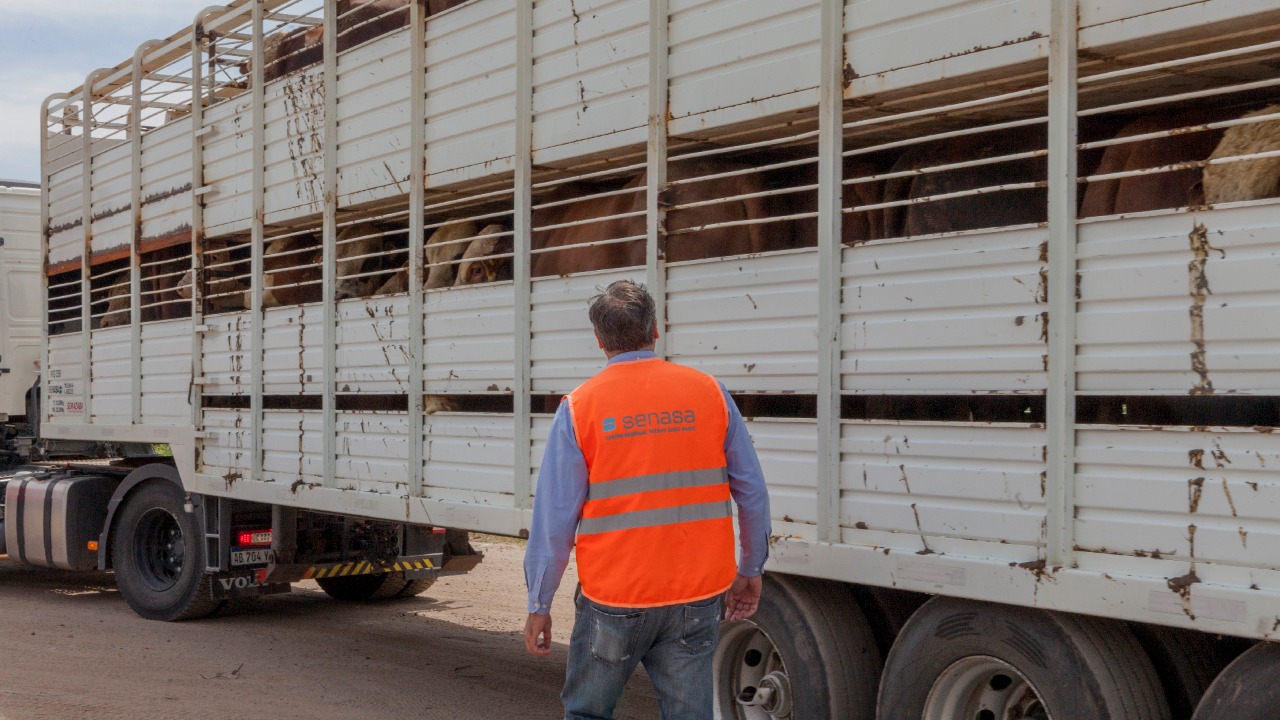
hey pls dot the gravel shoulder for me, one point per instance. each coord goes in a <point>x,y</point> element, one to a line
<point>70,648</point>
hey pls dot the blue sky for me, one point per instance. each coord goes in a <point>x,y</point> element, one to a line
<point>48,46</point>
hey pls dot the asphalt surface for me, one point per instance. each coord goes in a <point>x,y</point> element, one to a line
<point>70,648</point>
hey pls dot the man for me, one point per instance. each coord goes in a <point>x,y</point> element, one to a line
<point>641,463</point>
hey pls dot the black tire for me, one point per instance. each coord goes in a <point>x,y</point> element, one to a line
<point>887,611</point>
<point>815,635</point>
<point>416,587</point>
<point>964,659</point>
<point>158,555</point>
<point>363,588</point>
<point>1249,689</point>
<point>1186,662</point>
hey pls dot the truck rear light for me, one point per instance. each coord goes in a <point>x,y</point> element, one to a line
<point>253,538</point>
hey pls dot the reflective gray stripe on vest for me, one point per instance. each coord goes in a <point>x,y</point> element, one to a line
<point>657,481</point>
<point>657,516</point>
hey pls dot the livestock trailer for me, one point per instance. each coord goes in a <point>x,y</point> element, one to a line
<point>993,281</point>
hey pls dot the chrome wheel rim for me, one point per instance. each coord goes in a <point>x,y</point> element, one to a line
<point>751,679</point>
<point>984,688</point>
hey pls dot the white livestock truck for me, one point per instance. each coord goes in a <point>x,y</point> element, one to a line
<point>994,281</point>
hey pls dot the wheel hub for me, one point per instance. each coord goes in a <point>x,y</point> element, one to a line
<point>751,679</point>
<point>160,549</point>
<point>984,688</point>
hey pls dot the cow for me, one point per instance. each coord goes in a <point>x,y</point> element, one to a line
<point>117,298</point>
<point>622,215</point>
<point>488,258</point>
<point>1247,179</point>
<point>358,22</point>
<point>1155,191</point>
<point>969,212</point>
<point>291,270</point>
<point>855,227</point>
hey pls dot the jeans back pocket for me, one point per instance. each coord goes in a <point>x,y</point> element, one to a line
<point>614,636</point>
<point>701,626</point>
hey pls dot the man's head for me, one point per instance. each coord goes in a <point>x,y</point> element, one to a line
<point>623,317</point>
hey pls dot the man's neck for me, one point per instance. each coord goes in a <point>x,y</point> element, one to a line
<point>609,355</point>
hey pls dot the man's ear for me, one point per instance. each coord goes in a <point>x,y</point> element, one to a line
<point>655,329</point>
<point>599,341</point>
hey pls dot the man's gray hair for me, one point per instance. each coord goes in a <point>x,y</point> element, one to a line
<point>623,317</point>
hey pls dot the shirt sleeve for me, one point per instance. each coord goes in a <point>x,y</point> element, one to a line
<point>746,484</point>
<point>561,493</point>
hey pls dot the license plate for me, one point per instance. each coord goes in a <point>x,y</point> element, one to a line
<point>251,557</point>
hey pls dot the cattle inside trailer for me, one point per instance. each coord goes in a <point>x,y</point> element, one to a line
<point>993,283</point>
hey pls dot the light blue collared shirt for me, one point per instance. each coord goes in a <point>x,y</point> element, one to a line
<point>562,491</point>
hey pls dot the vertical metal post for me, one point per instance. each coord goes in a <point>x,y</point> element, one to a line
<point>197,217</point>
<point>417,240</point>
<point>257,239</point>
<point>44,251</point>
<point>522,384</point>
<point>655,216</point>
<point>86,256</point>
<point>830,164</point>
<point>135,242</point>
<point>1060,399</point>
<point>329,273</point>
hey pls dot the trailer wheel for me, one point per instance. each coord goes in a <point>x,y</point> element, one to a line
<point>965,659</point>
<point>807,654</point>
<point>363,588</point>
<point>1249,689</point>
<point>1186,662</point>
<point>158,555</point>
<point>416,587</point>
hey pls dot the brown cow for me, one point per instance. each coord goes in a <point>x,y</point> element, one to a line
<point>118,302</point>
<point>597,219</point>
<point>970,212</point>
<point>483,262</point>
<point>1248,179</point>
<point>1157,191</point>
<point>855,227</point>
<point>358,22</point>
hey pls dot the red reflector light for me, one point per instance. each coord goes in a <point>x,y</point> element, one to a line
<point>253,537</point>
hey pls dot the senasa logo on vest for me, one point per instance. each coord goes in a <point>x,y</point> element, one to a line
<point>650,423</point>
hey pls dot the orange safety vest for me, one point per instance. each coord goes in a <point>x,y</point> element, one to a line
<point>657,526</point>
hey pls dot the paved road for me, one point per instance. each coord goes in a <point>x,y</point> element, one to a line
<point>70,648</point>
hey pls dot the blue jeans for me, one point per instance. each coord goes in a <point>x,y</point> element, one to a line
<point>675,643</point>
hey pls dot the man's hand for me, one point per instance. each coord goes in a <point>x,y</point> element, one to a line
<point>744,597</point>
<point>537,633</point>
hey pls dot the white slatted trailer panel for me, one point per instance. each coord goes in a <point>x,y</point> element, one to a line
<point>1181,303</point>
<point>471,92</point>
<point>1104,22</point>
<point>225,354</point>
<point>373,353</point>
<point>293,447</point>
<point>972,489</point>
<point>228,444</point>
<point>1204,500</point>
<point>373,119</point>
<point>112,204</point>
<point>66,379</point>
<point>166,372</point>
<point>111,376</point>
<point>539,431</point>
<point>786,449</point>
<point>750,321</point>
<point>228,167</point>
<point>469,345</point>
<point>885,52</point>
<point>65,195</point>
<point>564,349</point>
<point>741,61</point>
<point>590,76</point>
<point>293,348</point>
<point>294,140</point>
<point>468,459</point>
<point>166,180</point>
<point>953,314</point>
<point>373,452</point>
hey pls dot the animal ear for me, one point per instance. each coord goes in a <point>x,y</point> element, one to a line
<point>314,35</point>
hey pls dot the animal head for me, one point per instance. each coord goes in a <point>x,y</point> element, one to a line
<point>479,264</point>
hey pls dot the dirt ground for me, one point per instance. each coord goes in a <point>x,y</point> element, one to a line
<point>70,648</point>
